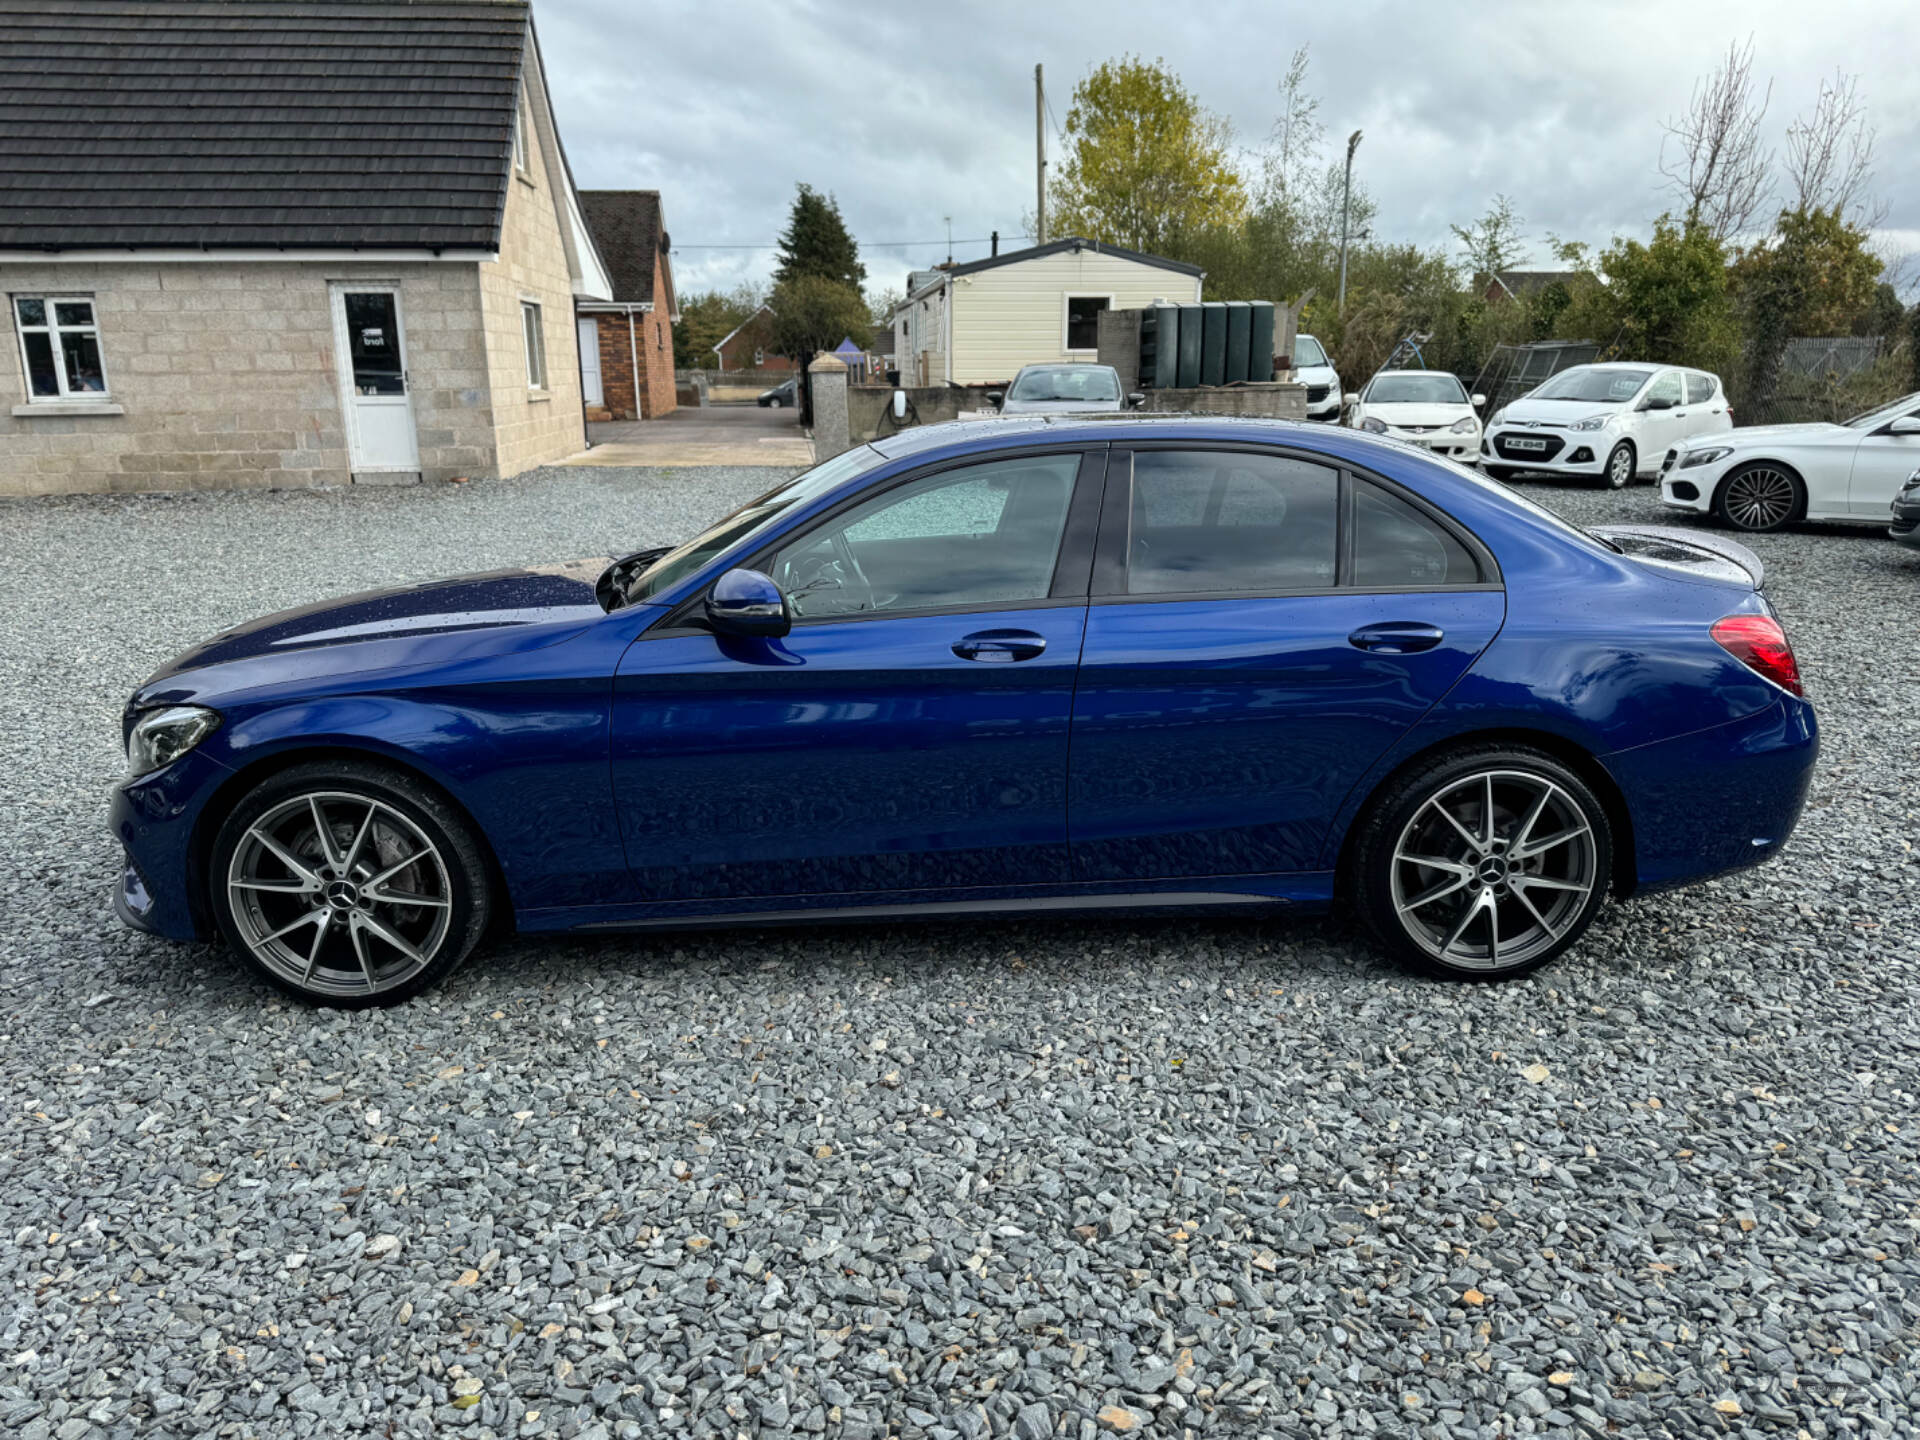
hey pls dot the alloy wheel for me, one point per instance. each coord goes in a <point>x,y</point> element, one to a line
<point>340,894</point>
<point>1493,869</point>
<point>1620,467</point>
<point>1760,498</point>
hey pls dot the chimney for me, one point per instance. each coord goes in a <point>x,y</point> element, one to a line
<point>996,242</point>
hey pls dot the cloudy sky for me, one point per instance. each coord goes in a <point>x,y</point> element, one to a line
<point>912,113</point>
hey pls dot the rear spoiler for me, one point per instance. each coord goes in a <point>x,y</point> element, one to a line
<point>1709,555</point>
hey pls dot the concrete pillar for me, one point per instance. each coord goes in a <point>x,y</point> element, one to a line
<point>832,427</point>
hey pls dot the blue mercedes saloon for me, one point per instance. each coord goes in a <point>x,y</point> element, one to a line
<point>1125,664</point>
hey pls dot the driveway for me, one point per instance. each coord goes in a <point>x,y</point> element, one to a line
<point>732,435</point>
<point>1166,1177</point>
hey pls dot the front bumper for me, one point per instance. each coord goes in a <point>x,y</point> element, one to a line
<point>1690,490</point>
<point>1551,452</point>
<point>153,817</point>
<point>1326,406</point>
<point>1720,799</point>
<point>1906,520</point>
<point>1444,443</point>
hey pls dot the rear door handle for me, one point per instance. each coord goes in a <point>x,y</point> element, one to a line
<point>1000,646</point>
<point>1396,637</point>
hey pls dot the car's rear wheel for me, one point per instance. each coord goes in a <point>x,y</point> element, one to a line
<point>348,884</point>
<point>1760,497</point>
<point>1619,471</point>
<point>1498,472</point>
<point>1484,863</point>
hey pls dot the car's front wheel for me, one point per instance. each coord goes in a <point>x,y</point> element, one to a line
<point>776,403</point>
<point>1484,863</point>
<point>348,884</point>
<point>1760,497</point>
<point>1620,462</point>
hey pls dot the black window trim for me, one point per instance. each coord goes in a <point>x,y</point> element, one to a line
<point>1071,567</point>
<point>1116,519</point>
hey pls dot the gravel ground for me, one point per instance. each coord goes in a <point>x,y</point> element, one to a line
<point>1029,1179</point>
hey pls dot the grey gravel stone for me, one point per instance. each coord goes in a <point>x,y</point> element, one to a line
<point>1215,1177</point>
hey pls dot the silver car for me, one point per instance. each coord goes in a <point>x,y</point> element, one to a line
<point>1063,390</point>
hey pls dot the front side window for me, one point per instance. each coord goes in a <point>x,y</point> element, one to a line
<point>1395,546</point>
<point>1666,389</point>
<point>982,535</point>
<point>1083,321</point>
<point>1222,521</point>
<point>60,345</point>
<point>1700,388</point>
<point>536,345</point>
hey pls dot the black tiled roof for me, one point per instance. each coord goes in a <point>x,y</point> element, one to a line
<point>257,123</point>
<point>626,231</point>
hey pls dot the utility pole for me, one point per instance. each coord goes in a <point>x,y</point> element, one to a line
<point>1039,156</point>
<point>1346,193</point>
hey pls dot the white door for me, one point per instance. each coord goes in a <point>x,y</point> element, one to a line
<point>1881,466</point>
<point>1660,429</point>
<point>590,361</point>
<point>373,378</point>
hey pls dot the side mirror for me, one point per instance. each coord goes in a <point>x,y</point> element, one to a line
<point>1350,399</point>
<point>899,404</point>
<point>996,398</point>
<point>1479,401</point>
<point>1656,402</point>
<point>746,602</point>
<point>1905,425</point>
<point>1135,400</point>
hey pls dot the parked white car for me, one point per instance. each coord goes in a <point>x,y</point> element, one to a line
<point>1772,475</point>
<point>1428,408</point>
<point>1610,422</point>
<point>1313,369</point>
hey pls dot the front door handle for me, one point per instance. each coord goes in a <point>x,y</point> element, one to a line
<point>1000,646</point>
<point>1396,637</point>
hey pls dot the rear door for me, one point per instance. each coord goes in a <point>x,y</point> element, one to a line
<point>1706,404</point>
<point>1263,626</point>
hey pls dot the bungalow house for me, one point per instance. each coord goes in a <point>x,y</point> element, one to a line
<point>749,345</point>
<point>626,344</point>
<point>284,243</point>
<point>978,322</point>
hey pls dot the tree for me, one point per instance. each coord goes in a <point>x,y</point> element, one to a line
<point>1293,147</point>
<point>1883,315</point>
<point>816,242</point>
<point>1830,151</point>
<point>706,320</point>
<point>812,313</point>
<point>883,302</point>
<point>1667,300</point>
<point>1146,166</point>
<point>1493,243</point>
<point>1722,173</point>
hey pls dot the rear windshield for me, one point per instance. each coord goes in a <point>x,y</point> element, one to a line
<point>1440,389</point>
<point>1593,386</point>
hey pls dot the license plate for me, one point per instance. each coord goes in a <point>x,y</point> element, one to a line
<point>1523,442</point>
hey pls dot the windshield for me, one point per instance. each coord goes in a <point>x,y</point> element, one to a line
<point>1307,351</point>
<point>749,520</point>
<point>1436,389</point>
<point>1593,385</point>
<point>1874,419</point>
<point>1066,382</point>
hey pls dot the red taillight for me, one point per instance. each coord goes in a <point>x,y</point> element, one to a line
<point>1758,642</point>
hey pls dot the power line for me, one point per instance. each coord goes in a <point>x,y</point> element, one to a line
<point>865,244</point>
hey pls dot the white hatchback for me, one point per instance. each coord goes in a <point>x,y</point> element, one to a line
<point>1313,369</point>
<point>1610,422</point>
<point>1428,408</point>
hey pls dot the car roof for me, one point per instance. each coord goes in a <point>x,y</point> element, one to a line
<point>1381,374</point>
<point>1101,428</point>
<point>1065,365</point>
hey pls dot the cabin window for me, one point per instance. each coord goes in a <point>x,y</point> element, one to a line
<point>60,346</point>
<point>536,340</point>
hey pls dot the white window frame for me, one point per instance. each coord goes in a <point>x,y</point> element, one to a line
<point>1066,314</point>
<point>522,159</point>
<point>53,331</point>
<point>533,338</point>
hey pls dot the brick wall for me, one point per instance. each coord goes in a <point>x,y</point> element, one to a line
<point>226,374</point>
<point>616,365</point>
<point>653,335</point>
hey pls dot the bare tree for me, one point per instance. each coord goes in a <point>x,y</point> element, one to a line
<point>1494,242</point>
<point>1830,152</point>
<point>1722,171</point>
<point>1294,145</point>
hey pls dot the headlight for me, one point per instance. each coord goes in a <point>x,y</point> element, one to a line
<point>1498,417</point>
<point>1707,456</point>
<point>1592,422</point>
<point>1466,426</point>
<point>161,737</point>
<point>1377,427</point>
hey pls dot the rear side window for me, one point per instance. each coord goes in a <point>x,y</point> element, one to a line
<point>1221,521</point>
<point>1700,388</point>
<point>1395,545</point>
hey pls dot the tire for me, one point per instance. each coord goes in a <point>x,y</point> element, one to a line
<point>1413,908</point>
<point>776,404</point>
<point>270,870</point>
<point>1619,473</point>
<point>1497,472</point>
<point>1760,497</point>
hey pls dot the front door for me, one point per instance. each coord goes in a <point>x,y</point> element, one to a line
<point>590,361</point>
<point>1881,465</point>
<point>910,733</point>
<point>1662,429</point>
<point>373,378</point>
<point>1262,630</point>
